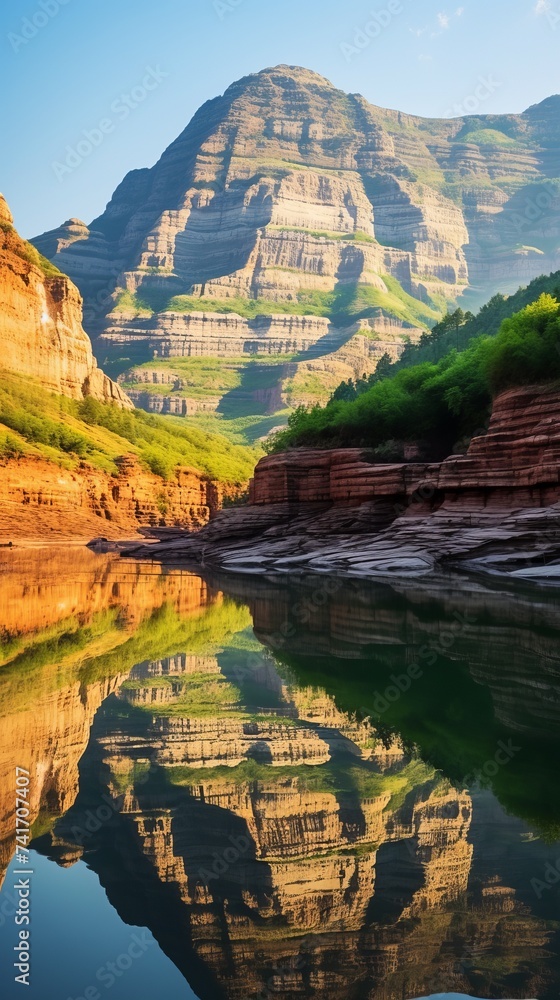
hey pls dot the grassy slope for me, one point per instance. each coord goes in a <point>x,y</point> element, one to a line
<point>29,253</point>
<point>345,304</point>
<point>35,422</point>
<point>241,421</point>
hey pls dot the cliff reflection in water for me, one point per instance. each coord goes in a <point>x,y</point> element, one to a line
<point>263,803</point>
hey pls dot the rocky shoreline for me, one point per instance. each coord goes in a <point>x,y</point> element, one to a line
<point>495,509</point>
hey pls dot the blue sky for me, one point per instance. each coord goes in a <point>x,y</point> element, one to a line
<point>83,59</point>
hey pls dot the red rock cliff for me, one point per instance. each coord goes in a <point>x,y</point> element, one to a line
<point>41,331</point>
<point>497,508</point>
<point>516,463</point>
<point>39,499</point>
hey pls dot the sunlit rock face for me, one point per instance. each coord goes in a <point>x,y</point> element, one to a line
<point>41,324</point>
<point>286,186</point>
<point>279,879</point>
<point>38,499</point>
<point>283,863</point>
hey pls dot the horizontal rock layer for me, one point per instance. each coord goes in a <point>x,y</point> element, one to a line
<point>39,499</point>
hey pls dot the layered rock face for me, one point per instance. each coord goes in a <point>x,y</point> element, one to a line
<point>41,324</point>
<point>365,867</point>
<point>496,507</point>
<point>518,458</point>
<point>39,499</point>
<point>42,339</point>
<point>286,190</point>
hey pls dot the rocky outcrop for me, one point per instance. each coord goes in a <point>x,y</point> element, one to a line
<point>41,323</point>
<point>43,341</point>
<point>495,508</point>
<point>253,197</point>
<point>281,880</point>
<point>39,499</point>
<point>286,190</point>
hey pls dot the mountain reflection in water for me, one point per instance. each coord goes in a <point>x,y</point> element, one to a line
<point>303,790</point>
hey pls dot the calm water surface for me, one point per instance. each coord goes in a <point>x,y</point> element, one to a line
<point>255,789</point>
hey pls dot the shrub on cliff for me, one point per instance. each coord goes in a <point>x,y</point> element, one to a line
<point>438,403</point>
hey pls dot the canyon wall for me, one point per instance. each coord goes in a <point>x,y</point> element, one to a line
<point>516,462</point>
<point>46,706</point>
<point>41,324</point>
<point>43,342</point>
<point>258,866</point>
<point>38,499</point>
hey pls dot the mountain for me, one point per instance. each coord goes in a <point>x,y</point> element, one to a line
<point>40,324</point>
<point>295,224</point>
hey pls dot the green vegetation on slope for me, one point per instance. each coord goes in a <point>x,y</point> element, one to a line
<point>29,253</point>
<point>339,777</point>
<point>345,304</point>
<point>487,137</point>
<point>36,422</point>
<point>46,661</point>
<point>166,633</point>
<point>443,402</point>
<point>458,330</point>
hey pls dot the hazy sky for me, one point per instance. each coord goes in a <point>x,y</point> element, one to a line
<point>144,67</point>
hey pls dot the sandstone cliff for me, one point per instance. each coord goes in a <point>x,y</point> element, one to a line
<point>363,867</point>
<point>327,884</point>
<point>46,706</point>
<point>41,332</point>
<point>40,500</point>
<point>43,343</point>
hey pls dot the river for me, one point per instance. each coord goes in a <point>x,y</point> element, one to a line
<point>284,788</point>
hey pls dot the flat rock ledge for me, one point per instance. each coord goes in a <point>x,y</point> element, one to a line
<point>282,540</point>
